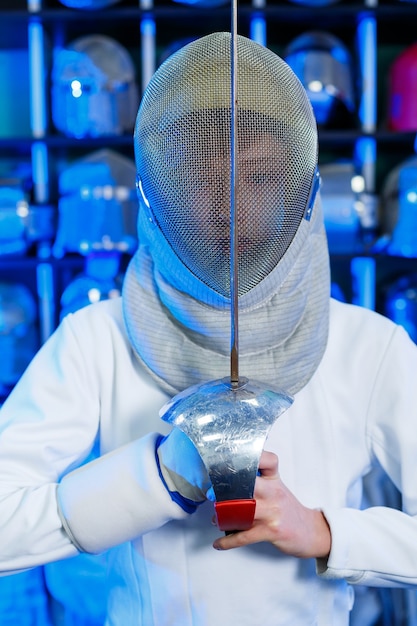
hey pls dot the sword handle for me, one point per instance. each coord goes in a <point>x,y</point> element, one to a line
<point>235,515</point>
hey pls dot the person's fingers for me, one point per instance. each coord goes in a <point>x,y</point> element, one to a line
<point>268,464</point>
<point>237,540</point>
<point>268,468</point>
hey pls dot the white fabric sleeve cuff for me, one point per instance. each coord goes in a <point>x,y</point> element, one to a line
<point>115,498</point>
<point>339,563</point>
<point>375,546</point>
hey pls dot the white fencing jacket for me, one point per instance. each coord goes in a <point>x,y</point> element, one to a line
<point>85,386</point>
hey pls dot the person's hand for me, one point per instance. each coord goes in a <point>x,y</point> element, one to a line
<point>182,467</point>
<point>281,519</point>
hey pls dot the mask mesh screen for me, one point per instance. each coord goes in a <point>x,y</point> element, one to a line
<point>182,145</point>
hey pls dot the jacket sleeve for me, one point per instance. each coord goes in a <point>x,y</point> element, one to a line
<point>48,427</point>
<point>116,498</point>
<point>377,546</point>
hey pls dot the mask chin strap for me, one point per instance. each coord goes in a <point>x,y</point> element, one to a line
<point>315,186</point>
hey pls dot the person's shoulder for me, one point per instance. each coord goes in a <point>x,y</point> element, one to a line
<point>111,307</point>
<point>354,328</point>
<point>357,317</point>
<point>95,318</point>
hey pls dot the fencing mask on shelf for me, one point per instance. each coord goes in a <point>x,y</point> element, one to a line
<point>179,279</point>
<point>324,65</point>
<point>399,209</point>
<point>402,84</point>
<point>94,92</point>
<point>97,208</point>
<point>342,206</point>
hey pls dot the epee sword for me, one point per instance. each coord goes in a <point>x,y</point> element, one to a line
<point>228,420</point>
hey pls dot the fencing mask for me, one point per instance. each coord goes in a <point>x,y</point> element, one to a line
<point>177,288</point>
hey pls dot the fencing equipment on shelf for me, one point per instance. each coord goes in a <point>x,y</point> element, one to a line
<point>324,65</point>
<point>402,85</point>
<point>97,207</point>
<point>100,280</point>
<point>19,338</point>
<point>94,90</point>
<point>342,206</point>
<point>399,209</point>
<point>21,223</point>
